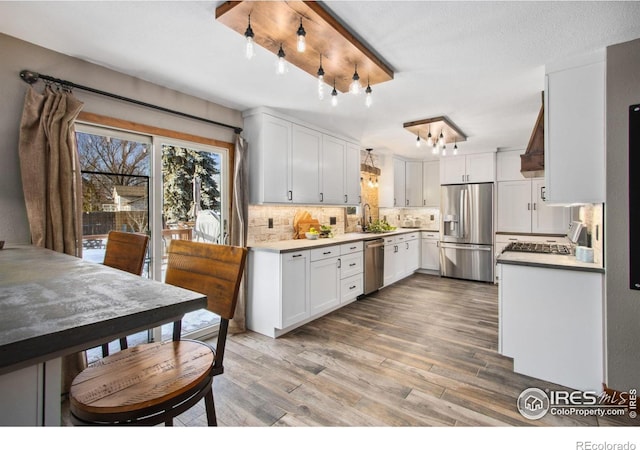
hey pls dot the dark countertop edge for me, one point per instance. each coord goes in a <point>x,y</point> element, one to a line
<point>258,248</point>
<point>552,266</point>
<point>19,355</point>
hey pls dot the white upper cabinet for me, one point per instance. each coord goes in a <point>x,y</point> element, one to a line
<point>332,168</point>
<point>399,195</point>
<point>307,150</point>
<point>474,168</point>
<point>574,134</point>
<point>508,165</point>
<point>292,162</point>
<point>413,183</point>
<point>430,183</point>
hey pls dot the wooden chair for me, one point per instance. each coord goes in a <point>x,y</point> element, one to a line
<point>125,251</point>
<point>150,384</point>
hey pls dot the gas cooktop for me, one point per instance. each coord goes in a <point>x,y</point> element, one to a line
<point>538,247</point>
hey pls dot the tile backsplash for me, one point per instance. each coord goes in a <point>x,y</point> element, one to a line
<point>429,217</point>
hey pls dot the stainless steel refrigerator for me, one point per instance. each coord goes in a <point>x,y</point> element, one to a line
<point>466,231</point>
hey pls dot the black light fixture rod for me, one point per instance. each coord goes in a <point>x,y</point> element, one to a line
<point>33,77</point>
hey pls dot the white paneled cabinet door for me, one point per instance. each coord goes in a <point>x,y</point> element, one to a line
<point>324,290</point>
<point>430,256</point>
<point>430,183</point>
<point>332,167</point>
<point>545,218</point>
<point>413,183</point>
<point>514,206</point>
<point>399,196</point>
<point>295,287</point>
<point>481,168</point>
<point>412,256</point>
<point>389,272</point>
<point>305,157</point>
<point>276,160</point>
<point>453,170</point>
<point>352,175</point>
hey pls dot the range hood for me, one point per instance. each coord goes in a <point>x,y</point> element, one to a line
<point>532,161</point>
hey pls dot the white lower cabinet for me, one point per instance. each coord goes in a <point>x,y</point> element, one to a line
<point>390,261</point>
<point>287,290</point>
<point>430,254</point>
<point>401,257</point>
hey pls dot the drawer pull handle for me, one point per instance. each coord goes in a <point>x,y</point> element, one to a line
<point>297,256</point>
<point>352,264</point>
<point>326,253</point>
<point>352,287</point>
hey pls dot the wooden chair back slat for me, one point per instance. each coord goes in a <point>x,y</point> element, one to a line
<point>126,251</point>
<point>211,269</point>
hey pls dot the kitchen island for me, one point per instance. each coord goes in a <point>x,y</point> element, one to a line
<point>551,318</point>
<point>51,305</point>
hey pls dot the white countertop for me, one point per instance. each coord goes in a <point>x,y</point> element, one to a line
<point>568,262</point>
<point>291,245</point>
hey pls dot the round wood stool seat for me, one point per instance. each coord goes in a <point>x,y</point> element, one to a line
<point>145,384</point>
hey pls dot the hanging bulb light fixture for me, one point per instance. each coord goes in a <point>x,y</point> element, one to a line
<point>418,143</point>
<point>368,100</point>
<point>441,140</point>
<point>455,148</point>
<point>434,149</point>
<point>248,34</point>
<point>429,138</point>
<point>370,183</point>
<point>355,87</point>
<point>444,150</point>
<point>376,183</point>
<point>281,65</point>
<point>302,45</point>
<point>320,80</point>
<point>334,94</point>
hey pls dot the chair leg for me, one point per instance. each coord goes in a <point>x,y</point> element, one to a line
<point>211,408</point>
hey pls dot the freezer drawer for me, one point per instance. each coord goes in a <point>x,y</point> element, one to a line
<point>466,261</point>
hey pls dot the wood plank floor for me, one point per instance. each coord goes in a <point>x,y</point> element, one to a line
<point>418,353</point>
<point>422,352</point>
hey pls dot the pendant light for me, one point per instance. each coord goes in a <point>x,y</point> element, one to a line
<point>418,143</point>
<point>355,87</point>
<point>320,80</point>
<point>248,34</point>
<point>434,149</point>
<point>429,138</point>
<point>441,140</point>
<point>455,148</point>
<point>301,40</point>
<point>334,94</point>
<point>368,100</point>
<point>281,65</point>
<point>444,150</point>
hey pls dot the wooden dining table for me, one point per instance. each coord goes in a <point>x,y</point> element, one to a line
<point>52,305</point>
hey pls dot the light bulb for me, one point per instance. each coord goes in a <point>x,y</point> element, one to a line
<point>376,183</point>
<point>418,142</point>
<point>248,34</point>
<point>281,66</point>
<point>368,99</point>
<point>444,151</point>
<point>455,148</point>
<point>301,40</point>
<point>441,139</point>
<point>430,140</point>
<point>320,80</point>
<point>355,87</point>
<point>334,95</point>
<point>370,183</point>
<point>434,149</point>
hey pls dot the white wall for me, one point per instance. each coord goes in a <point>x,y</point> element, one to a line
<point>16,55</point>
<point>622,304</point>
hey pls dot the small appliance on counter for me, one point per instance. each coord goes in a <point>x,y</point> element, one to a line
<point>577,233</point>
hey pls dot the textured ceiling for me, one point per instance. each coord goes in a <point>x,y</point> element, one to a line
<point>479,63</point>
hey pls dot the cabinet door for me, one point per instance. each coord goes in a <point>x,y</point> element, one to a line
<point>276,160</point>
<point>481,168</point>
<point>514,206</point>
<point>413,183</point>
<point>411,256</point>
<point>399,197</point>
<point>430,183</point>
<point>305,174</point>
<point>453,170</point>
<point>574,153</point>
<point>389,273</point>
<point>352,175</point>
<point>430,256</point>
<point>545,218</point>
<point>295,288</point>
<point>324,288</point>
<point>332,170</point>
<point>508,166</point>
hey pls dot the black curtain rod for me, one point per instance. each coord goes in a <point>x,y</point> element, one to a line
<point>33,77</point>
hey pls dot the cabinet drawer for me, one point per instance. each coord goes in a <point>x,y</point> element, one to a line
<point>431,235</point>
<point>351,287</point>
<point>325,252</point>
<point>351,264</point>
<point>351,247</point>
<point>411,236</point>
<point>390,240</point>
<point>400,238</point>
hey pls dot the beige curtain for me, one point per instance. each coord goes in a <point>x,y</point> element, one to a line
<point>239,213</point>
<point>51,182</point>
<point>50,177</point>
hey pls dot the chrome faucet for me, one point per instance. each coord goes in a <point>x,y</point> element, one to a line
<point>364,216</point>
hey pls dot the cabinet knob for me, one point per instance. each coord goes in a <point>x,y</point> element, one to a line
<point>289,195</point>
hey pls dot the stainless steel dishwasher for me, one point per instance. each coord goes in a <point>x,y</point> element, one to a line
<point>373,265</point>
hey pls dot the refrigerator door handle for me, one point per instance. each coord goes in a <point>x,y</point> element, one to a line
<point>465,247</point>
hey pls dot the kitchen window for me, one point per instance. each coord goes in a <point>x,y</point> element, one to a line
<point>165,187</point>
